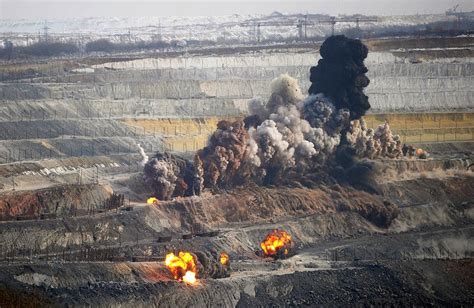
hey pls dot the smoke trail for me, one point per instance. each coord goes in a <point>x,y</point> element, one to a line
<point>143,155</point>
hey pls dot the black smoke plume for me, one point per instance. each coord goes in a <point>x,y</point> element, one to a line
<point>340,74</point>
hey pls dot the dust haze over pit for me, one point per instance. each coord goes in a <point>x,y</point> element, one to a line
<point>68,9</point>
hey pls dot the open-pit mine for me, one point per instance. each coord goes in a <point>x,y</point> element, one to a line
<point>332,172</point>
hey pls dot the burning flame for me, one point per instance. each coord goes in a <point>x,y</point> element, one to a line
<point>152,200</point>
<point>182,266</point>
<point>190,277</point>
<point>419,152</point>
<point>275,241</point>
<point>224,258</point>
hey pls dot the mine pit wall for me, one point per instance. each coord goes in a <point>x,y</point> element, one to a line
<point>437,166</point>
<point>60,201</point>
<point>78,138</point>
<point>72,162</point>
<point>384,283</point>
<point>180,135</point>
<point>396,84</point>
<point>427,127</point>
<point>191,134</point>
<point>311,216</point>
<point>109,108</point>
<point>37,140</point>
<point>33,150</point>
<point>412,97</point>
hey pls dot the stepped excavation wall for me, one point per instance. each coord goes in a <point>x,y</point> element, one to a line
<point>175,103</point>
<point>427,127</point>
<point>396,84</point>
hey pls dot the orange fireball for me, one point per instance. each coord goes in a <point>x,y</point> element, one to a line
<point>277,243</point>
<point>152,200</point>
<point>420,153</point>
<point>224,258</point>
<point>182,266</point>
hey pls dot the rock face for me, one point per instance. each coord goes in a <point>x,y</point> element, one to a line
<point>400,80</point>
<point>95,102</point>
<point>253,203</point>
<point>61,201</point>
<point>339,258</point>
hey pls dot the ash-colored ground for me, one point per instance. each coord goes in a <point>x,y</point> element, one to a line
<point>69,135</point>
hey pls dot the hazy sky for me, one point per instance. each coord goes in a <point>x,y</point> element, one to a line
<point>60,9</point>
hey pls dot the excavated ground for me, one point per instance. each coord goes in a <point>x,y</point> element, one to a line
<point>69,135</point>
<point>342,255</point>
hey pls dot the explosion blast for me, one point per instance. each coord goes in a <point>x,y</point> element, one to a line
<point>152,200</point>
<point>277,244</point>
<point>224,259</point>
<point>182,266</point>
<point>169,175</point>
<point>290,139</point>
